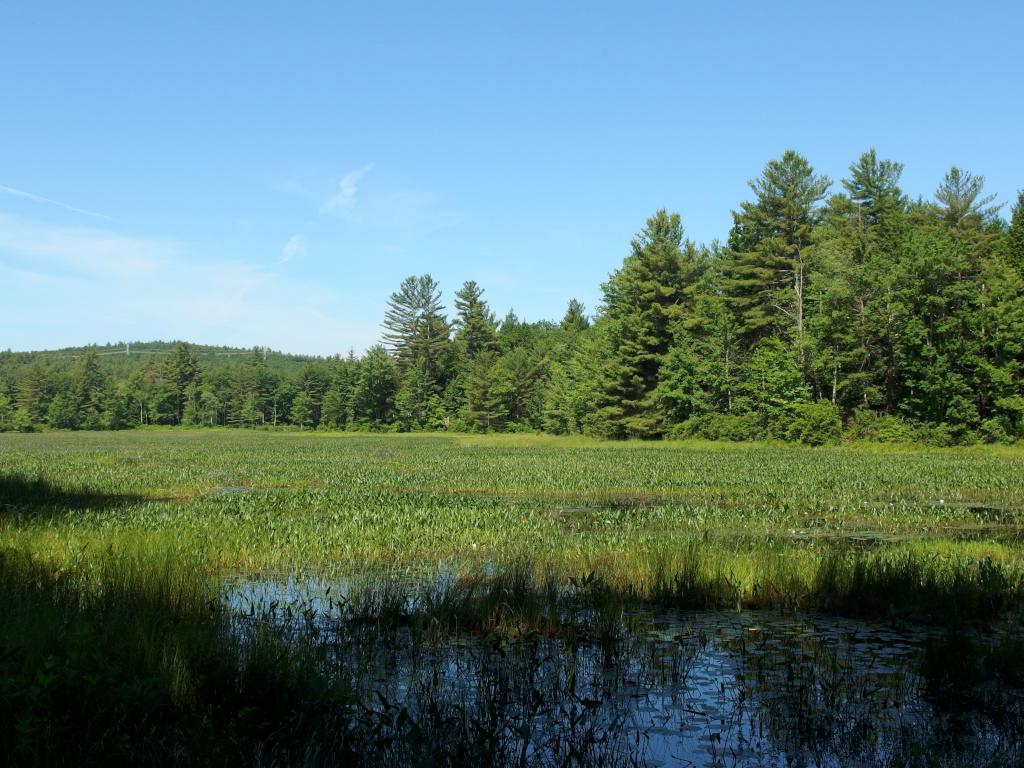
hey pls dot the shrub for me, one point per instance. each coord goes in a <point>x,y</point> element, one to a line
<point>814,423</point>
<point>867,425</point>
<point>938,435</point>
<point>995,431</point>
<point>721,426</point>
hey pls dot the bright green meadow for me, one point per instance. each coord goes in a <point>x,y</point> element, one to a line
<point>165,599</point>
<point>748,523</point>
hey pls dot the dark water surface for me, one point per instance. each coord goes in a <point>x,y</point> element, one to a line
<point>654,687</point>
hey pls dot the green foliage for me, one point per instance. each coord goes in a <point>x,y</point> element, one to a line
<point>417,404</point>
<point>961,202</point>
<point>415,328</point>
<point>475,328</point>
<point>641,302</point>
<point>912,312</point>
<point>1015,239</point>
<point>376,387</point>
<point>766,277</point>
<point>817,423</point>
<point>302,410</point>
<point>867,425</point>
<point>772,384</point>
<point>484,407</point>
<point>575,318</point>
<point>734,427</point>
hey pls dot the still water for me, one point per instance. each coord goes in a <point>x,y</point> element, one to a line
<point>711,688</point>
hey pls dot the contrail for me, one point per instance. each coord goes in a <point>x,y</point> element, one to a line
<point>41,199</point>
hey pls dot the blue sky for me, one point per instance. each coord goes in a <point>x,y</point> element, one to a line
<point>267,173</point>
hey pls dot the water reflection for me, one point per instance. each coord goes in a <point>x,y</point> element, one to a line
<point>758,688</point>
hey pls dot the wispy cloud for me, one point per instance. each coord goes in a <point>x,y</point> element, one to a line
<point>71,286</point>
<point>295,246</point>
<point>343,202</point>
<point>401,210</point>
<point>81,249</point>
<point>40,199</point>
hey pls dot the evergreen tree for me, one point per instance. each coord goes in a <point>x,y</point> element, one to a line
<point>517,379</point>
<point>1015,239</point>
<point>87,388</point>
<point>417,403</point>
<point>338,410</point>
<point>874,187</point>
<point>772,384</point>
<point>712,333</point>
<point>575,318</point>
<point>484,410</point>
<point>961,202</point>
<point>182,371</point>
<point>34,392</point>
<point>770,240</point>
<point>856,310</point>
<point>641,301</point>
<point>375,389</point>
<point>303,409</point>
<point>415,326</point>
<point>475,325</point>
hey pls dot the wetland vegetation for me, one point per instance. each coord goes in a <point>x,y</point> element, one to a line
<point>325,598</point>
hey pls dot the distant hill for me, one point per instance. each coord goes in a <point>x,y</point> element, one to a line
<point>210,356</point>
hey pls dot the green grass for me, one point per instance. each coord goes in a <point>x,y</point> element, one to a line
<point>114,646</point>
<point>752,523</point>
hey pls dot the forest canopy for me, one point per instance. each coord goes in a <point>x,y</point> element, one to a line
<point>830,311</point>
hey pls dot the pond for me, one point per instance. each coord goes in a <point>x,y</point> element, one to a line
<point>654,687</point>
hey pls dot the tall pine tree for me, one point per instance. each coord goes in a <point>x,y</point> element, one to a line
<point>642,300</point>
<point>770,238</point>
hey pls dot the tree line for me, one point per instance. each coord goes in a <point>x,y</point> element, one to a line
<point>829,312</point>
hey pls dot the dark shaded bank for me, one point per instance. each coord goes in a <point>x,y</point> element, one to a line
<point>140,666</point>
<point>33,496</point>
<point>143,662</point>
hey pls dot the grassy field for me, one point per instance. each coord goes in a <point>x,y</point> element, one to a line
<point>759,520</point>
<point>114,548</point>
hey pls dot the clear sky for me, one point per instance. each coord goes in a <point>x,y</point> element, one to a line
<point>267,173</point>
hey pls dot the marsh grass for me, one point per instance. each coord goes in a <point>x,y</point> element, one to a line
<point>125,658</point>
<point>115,646</point>
<point>134,662</point>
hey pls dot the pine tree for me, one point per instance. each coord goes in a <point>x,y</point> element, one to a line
<point>854,307</point>
<point>417,403</point>
<point>303,410</point>
<point>770,239</point>
<point>184,374</point>
<point>376,387</point>
<point>89,385</point>
<point>415,327</point>
<point>641,301</point>
<point>33,392</point>
<point>483,402</point>
<point>338,406</point>
<point>961,202</point>
<point>1015,239</point>
<point>475,325</point>
<point>874,188</point>
<point>575,318</point>
<point>516,381</point>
